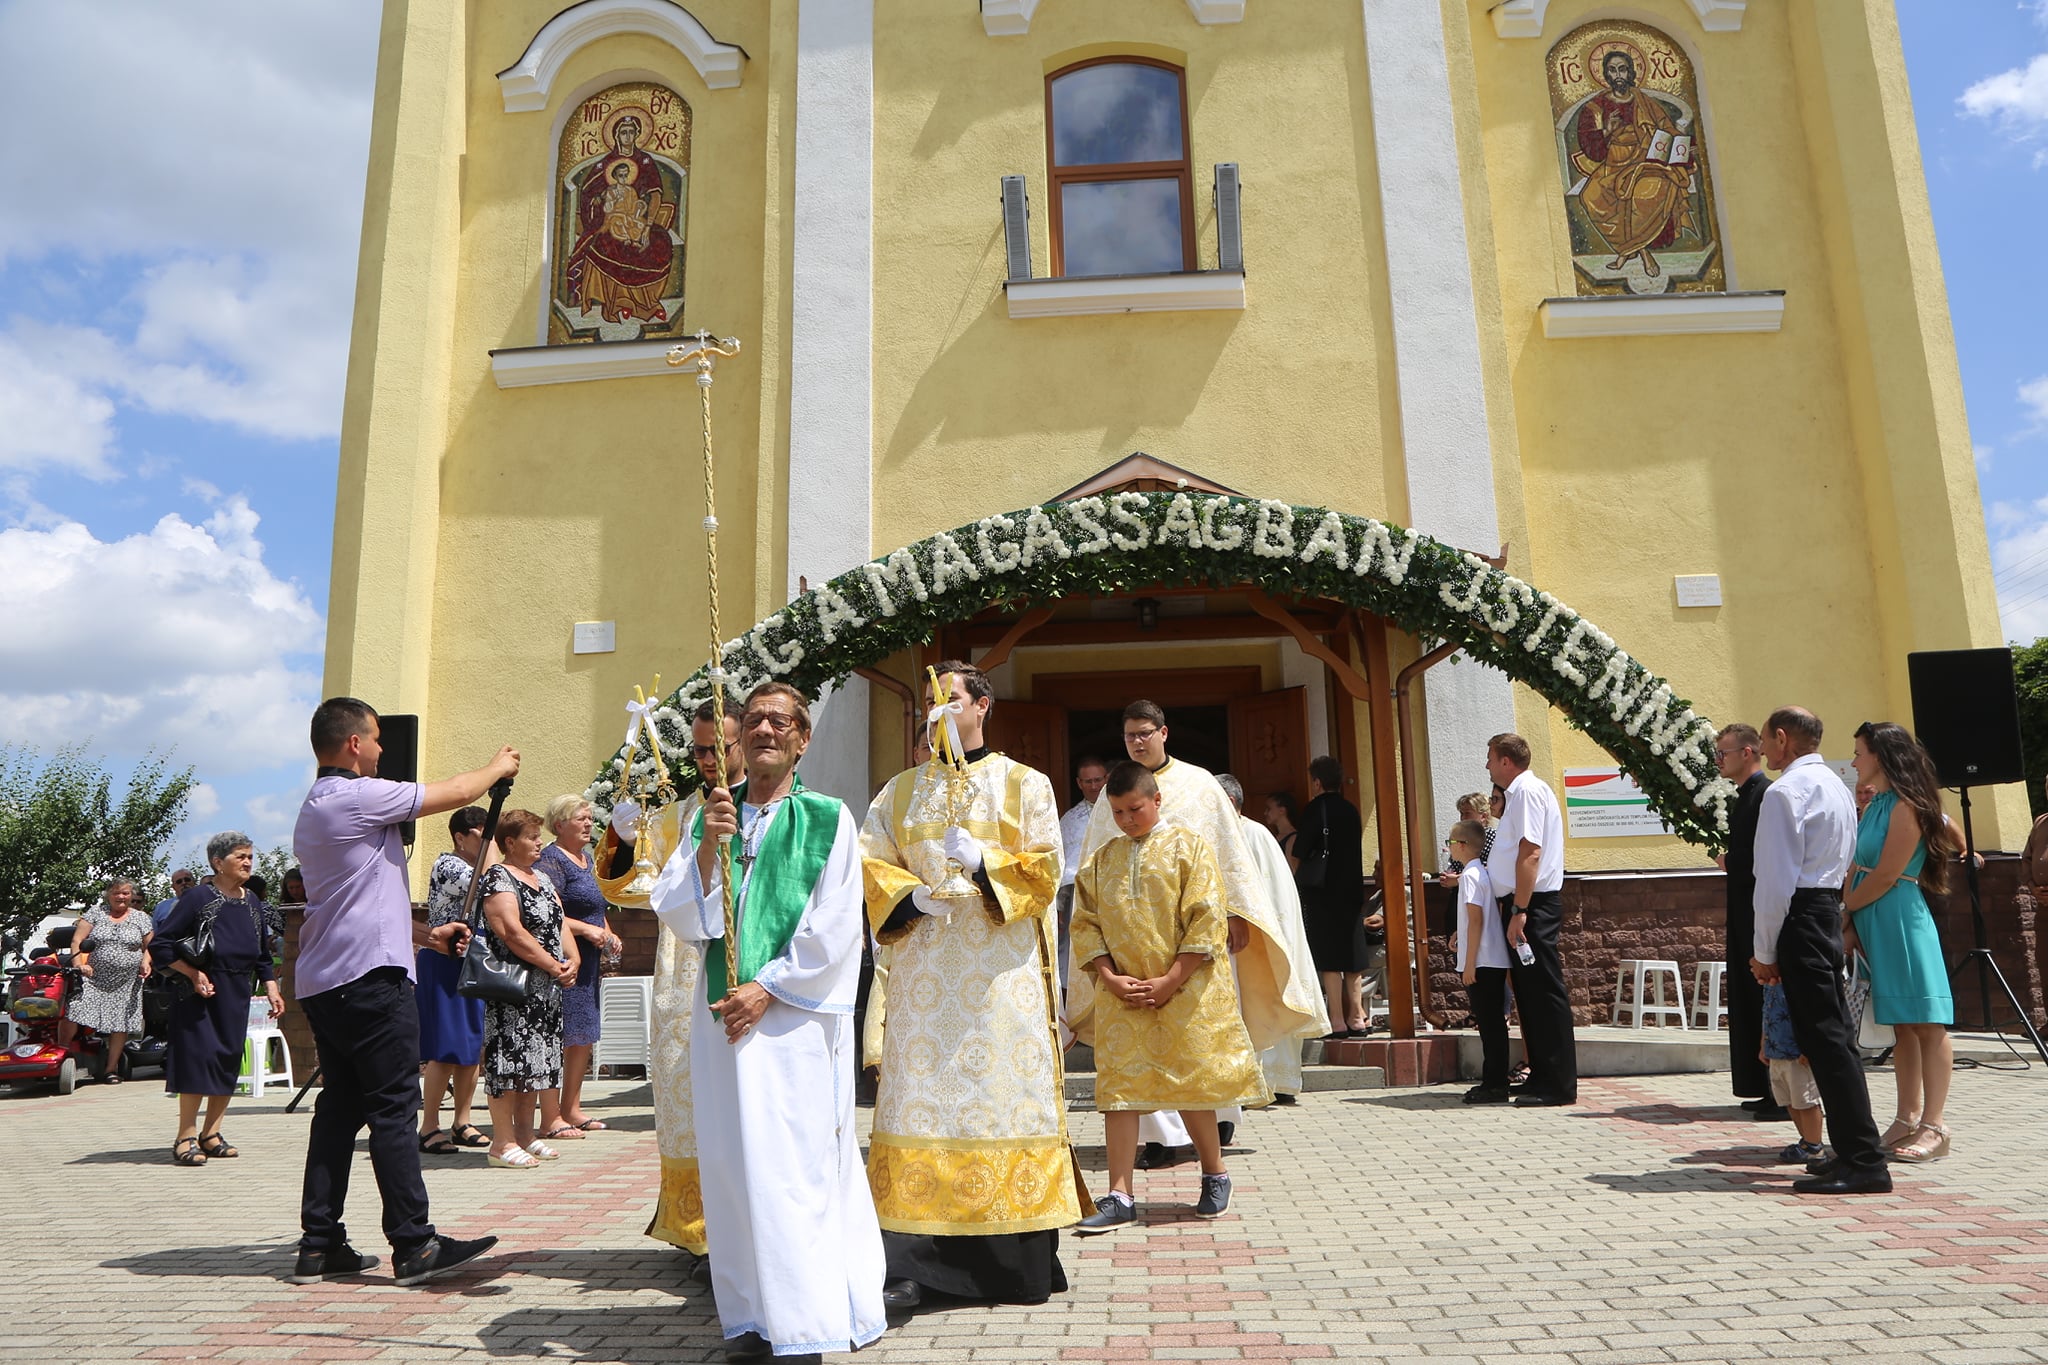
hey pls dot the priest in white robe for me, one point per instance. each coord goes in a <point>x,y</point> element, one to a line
<point>1282,1061</point>
<point>799,1268</point>
<point>969,1159</point>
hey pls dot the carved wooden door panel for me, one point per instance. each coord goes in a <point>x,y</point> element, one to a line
<point>1035,734</point>
<point>1269,745</point>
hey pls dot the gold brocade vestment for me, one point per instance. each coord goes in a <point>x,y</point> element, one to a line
<point>679,1213</point>
<point>1142,903</point>
<point>1280,995</point>
<point>970,1133</point>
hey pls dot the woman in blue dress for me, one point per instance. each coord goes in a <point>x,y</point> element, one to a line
<point>566,863</point>
<point>1904,843</point>
<point>451,1025</point>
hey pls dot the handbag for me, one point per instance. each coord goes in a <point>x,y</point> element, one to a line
<point>1871,1036</point>
<point>1315,869</point>
<point>197,948</point>
<point>490,971</point>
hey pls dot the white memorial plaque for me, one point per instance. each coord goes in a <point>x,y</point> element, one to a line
<point>1699,589</point>
<point>1606,803</point>
<point>596,637</point>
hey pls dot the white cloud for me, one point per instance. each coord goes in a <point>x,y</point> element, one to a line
<point>2019,564</point>
<point>2033,396</point>
<point>179,638</point>
<point>221,228</point>
<point>202,802</point>
<point>2015,100</point>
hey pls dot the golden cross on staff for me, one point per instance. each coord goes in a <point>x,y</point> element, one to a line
<point>703,352</point>
<point>655,791</point>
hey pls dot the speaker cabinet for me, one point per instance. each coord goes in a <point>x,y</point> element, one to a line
<point>1967,712</point>
<point>401,760</point>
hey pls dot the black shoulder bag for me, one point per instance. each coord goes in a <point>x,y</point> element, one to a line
<point>1314,871</point>
<point>489,971</point>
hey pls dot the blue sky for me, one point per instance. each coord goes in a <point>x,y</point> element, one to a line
<point>173,338</point>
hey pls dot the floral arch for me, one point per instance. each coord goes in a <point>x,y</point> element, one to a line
<point>1115,542</point>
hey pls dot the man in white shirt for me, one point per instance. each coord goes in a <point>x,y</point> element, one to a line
<point>1526,869</point>
<point>1089,775</point>
<point>1805,838</point>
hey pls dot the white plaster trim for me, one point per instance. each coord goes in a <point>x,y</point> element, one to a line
<point>1297,669</point>
<point>1007,18</point>
<point>1012,18</point>
<point>518,367</point>
<point>1720,16</point>
<point>1182,291</point>
<point>524,85</point>
<point>1652,315</point>
<point>1518,18</point>
<point>1445,435</point>
<point>1524,18</point>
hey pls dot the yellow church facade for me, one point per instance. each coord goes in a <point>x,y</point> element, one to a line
<point>1641,304</point>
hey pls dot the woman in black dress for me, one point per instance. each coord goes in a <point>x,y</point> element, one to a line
<point>522,1057</point>
<point>210,1012</point>
<point>1330,870</point>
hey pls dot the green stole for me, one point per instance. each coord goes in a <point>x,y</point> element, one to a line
<point>787,866</point>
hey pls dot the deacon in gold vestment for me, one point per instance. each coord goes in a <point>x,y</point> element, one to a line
<point>969,1160</point>
<point>1279,993</point>
<point>679,1211</point>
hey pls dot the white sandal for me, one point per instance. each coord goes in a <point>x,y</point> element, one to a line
<point>543,1151</point>
<point>517,1157</point>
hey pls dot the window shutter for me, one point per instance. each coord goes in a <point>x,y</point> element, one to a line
<point>1017,227</point>
<point>1229,219</point>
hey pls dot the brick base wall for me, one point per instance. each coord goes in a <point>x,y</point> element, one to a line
<point>1682,916</point>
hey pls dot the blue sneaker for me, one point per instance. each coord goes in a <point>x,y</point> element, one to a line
<point>1215,1196</point>
<point>1110,1214</point>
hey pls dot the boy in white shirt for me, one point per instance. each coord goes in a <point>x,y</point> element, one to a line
<point>1482,961</point>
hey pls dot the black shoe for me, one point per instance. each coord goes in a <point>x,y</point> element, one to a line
<point>1487,1094</point>
<point>1225,1131</point>
<point>900,1296</point>
<point>1282,1097</point>
<point>1215,1196</point>
<point>1776,1113</point>
<point>1876,1180</point>
<point>1110,1214</point>
<point>315,1266</point>
<point>439,1257</point>
<point>1536,1099</point>
<point>1753,1105</point>
<point>1154,1156</point>
<point>748,1346</point>
<point>1826,1166</point>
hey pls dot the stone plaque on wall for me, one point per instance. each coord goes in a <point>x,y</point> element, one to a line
<point>1638,193</point>
<point>622,182</point>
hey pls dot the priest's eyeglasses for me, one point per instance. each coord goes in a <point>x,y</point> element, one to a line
<point>1140,736</point>
<point>775,721</point>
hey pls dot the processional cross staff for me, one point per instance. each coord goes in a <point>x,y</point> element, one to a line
<point>702,353</point>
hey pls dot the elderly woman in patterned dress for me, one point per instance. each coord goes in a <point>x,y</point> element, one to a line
<point>110,1003</point>
<point>522,1058</point>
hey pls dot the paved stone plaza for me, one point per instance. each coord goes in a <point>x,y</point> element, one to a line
<point>1647,1224</point>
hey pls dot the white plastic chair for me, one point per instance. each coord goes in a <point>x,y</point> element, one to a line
<point>1648,972</point>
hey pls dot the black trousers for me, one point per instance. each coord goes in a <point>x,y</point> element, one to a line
<point>1545,1003</point>
<point>368,1034</point>
<point>1810,961</point>
<point>1748,1074</point>
<point>1489,996</point>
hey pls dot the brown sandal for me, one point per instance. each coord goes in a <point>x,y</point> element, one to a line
<point>185,1151</point>
<point>214,1145</point>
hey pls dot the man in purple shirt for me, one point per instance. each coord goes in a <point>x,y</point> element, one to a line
<point>353,977</point>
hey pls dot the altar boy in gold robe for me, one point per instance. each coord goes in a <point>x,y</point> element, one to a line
<point>1150,927</point>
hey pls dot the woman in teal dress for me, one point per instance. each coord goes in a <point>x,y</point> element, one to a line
<point>1903,843</point>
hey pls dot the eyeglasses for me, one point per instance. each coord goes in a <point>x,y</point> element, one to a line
<point>775,721</point>
<point>1730,753</point>
<point>1140,736</point>
<point>709,750</point>
<point>181,881</point>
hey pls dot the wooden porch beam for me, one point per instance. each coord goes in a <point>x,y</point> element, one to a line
<point>1372,633</point>
<point>1000,655</point>
<point>1310,644</point>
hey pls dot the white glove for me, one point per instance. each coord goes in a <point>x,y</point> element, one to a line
<point>964,849</point>
<point>928,904</point>
<point>625,821</point>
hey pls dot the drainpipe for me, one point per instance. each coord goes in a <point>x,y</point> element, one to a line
<point>881,679</point>
<point>1411,800</point>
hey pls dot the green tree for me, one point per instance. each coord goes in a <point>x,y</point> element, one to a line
<point>2030,673</point>
<point>65,831</point>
